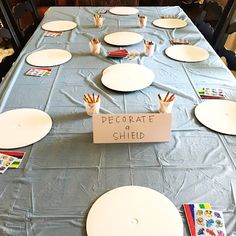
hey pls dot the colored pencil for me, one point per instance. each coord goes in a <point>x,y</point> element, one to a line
<point>91,98</point>
<point>85,99</point>
<point>171,98</point>
<point>166,96</point>
<point>98,98</point>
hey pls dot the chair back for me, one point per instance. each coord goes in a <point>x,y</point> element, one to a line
<point>107,3</point>
<point>210,19</point>
<point>6,44</point>
<point>24,18</point>
<point>15,41</point>
<point>9,40</point>
<point>222,33</point>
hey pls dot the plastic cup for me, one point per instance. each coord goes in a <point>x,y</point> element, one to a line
<point>95,46</point>
<point>92,108</point>
<point>98,21</point>
<point>149,48</point>
<point>142,20</point>
<point>165,107</point>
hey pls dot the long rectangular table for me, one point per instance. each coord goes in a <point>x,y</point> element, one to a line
<point>64,173</point>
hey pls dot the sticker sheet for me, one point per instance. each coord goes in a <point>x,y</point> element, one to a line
<point>5,162</point>
<point>211,93</point>
<point>39,71</point>
<point>189,213</point>
<point>52,34</point>
<point>209,222</point>
<point>177,41</point>
<point>18,157</point>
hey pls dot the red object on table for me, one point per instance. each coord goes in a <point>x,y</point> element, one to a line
<point>118,53</point>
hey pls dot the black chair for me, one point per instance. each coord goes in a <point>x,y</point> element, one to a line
<point>223,33</point>
<point>210,19</point>
<point>6,42</point>
<point>191,7</point>
<point>24,18</point>
<point>107,3</point>
<point>6,23</point>
<point>9,39</point>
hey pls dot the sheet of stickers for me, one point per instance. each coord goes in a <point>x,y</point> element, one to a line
<point>39,71</point>
<point>209,222</point>
<point>213,93</point>
<point>52,34</point>
<point>203,220</point>
<point>9,159</point>
<point>5,162</point>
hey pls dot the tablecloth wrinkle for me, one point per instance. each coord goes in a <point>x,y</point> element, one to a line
<point>172,90</point>
<point>99,90</point>
<point>40,40</point>
<point>82,104</point>
<point>52,87</point>
<point>10,83</point>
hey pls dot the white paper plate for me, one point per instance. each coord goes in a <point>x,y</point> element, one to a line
<point>124,11</point>
<point>134,211</point>
<point>170,23</point>
<point>59,25</point>
<point>218,115</point>
<point>187,53</point>
<point>127,77</point>
<point>22,127</point>
<point>49,57</point>
<point>123,38</point>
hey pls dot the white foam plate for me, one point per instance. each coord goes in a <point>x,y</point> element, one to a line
<point>127,77</point>
<point>59,25</point>
<point>187,53</point>
<point>170,23</point>
<point>22,127</point>
<point>49,57</point>
<point>218,115</point>
<point>124,11</point>
<point>133,211</point>
<point>123,38</point>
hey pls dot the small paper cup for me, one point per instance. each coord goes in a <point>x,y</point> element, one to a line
<point>149,49</point>
<point>165,107</point>
<point>95,48</point>
<point>142,21</point>
<point>92,108</point>
<point>98,21</point>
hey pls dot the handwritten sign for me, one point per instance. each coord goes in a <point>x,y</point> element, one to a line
<point>131,128</point>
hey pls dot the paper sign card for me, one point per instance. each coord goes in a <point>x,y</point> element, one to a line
<point>131,128</point>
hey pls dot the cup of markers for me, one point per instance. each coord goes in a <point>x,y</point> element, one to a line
<point>166,102</point>
<point>92,104</point>
<point>95,46</point>
<point>98,20</point>
<point>149,48</point>
<point>142,20</point>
